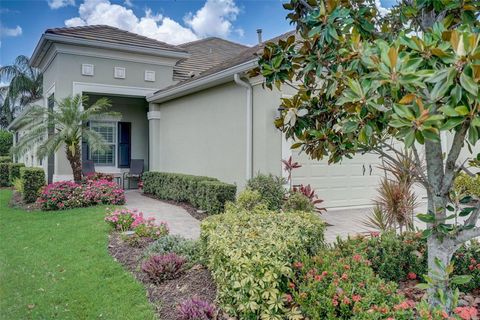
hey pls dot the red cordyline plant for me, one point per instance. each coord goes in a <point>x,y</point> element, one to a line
<point>196,309</point>
<point>289,165</point>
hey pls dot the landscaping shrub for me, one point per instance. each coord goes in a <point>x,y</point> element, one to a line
<point>249,254</point>
<point>68,194</point>
<point>467,185</point>
<point>103,192</point>
<point>5,174</point>
<point>163,267</point>
<point>393,257</point>
<point>187,248</point>
<point>125,219</point>
<point>466,261</point>
<point>97,176</point>
<point>270,187</point>
<point>33,180</point>
<point>14,171</point>
<point>297,201</point>
<point>6,142</point>
<point>188,188</point>
<point>18,185</point>
<point>249,199</point>
<point>212,195</point>
<point>196,309</point>
<point>4,159</point>
<point>329,286</point>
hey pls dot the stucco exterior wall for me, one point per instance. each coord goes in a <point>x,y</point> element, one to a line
<point>205,133</point>
<point>65,74</point>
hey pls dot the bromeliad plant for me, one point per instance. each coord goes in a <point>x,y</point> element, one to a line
<point>364,79</point>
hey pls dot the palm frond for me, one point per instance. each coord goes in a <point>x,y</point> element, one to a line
<point>95,140</point>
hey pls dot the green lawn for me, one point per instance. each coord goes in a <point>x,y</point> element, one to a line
<point>55,265</point>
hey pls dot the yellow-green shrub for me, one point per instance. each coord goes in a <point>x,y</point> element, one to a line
<point>250,253</point>
<point>467,185</point>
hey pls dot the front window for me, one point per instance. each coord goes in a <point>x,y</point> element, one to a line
<point>108,130</point>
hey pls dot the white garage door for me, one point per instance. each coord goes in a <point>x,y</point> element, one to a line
<point>353,182</point>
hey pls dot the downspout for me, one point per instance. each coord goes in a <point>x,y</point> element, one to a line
<point>249,123</point>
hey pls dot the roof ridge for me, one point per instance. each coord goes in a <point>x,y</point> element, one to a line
<point>211,38</point>
<point>96,26</point>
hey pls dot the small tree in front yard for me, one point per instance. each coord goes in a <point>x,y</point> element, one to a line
<point>68,124</point>
<point>365,80</point>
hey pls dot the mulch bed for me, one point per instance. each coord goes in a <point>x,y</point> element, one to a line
<point>16,201</point>
<point>195,282</point>
<point>408,289</point>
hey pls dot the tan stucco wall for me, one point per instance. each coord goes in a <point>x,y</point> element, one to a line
<point>204,133</point>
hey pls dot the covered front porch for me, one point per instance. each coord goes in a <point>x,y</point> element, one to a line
<point>127,135</point>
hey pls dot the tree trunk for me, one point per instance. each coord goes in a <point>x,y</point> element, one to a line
<point>75,162</point>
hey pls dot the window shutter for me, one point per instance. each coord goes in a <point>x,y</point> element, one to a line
<point>124,144</point>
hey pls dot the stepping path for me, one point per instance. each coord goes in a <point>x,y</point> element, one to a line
<point>178,219</point>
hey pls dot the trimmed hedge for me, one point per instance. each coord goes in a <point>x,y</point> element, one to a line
<point>4,174</point>
<point>5,159</point>
<point>6,142</point>
<point>14,171</point>
<point>33,180</point>
<point>205,193</point>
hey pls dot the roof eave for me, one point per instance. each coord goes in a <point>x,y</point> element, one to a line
<point>206,82</point>
<point>47,37</point>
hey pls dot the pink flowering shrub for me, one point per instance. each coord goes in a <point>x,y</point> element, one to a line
<point>163,267</point>
<point>103,192</point>
<point>466,313</point>
<point>196,309</point>
<point>98,176</point>
<point>125,219</point>
<point>67,194</point>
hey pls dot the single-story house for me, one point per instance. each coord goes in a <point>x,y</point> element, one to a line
<point>188,108</point>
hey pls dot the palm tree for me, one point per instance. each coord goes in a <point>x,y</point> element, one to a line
<point>69,123</point>
<point>25,86</point>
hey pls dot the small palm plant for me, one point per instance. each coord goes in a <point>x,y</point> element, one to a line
<point>68,126</point>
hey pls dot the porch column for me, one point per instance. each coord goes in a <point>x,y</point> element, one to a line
<point>153,116</point>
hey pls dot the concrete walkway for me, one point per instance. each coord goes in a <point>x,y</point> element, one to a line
<point>178,219</point>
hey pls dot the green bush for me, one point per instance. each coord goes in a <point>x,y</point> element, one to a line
<point>467,185</point>
<point>187,248</point>
<point>212,195</point>
<point>329,286</point>
<point>250,253</point>
<point>14,171</point>
<point>18,185</point>
<point>466,261</point>
<point>297,201</point>
<point>393,257</point>
<point>201,192</point>
<point>4,174</point>
<point>5,159</point>
<point>6,142</point>
<point>33,180</point>
<point>249,200</point>
<point>270,187</point>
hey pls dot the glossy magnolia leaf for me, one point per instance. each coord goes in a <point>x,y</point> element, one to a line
<point>461,279</point>
<point>466,211</point>
<point>403,111</point>
<point>431,135</point>
<point>462,110</point>
<point>468,84</point>
<point>466,199</point>
<point>426,217</point>
<point>452,123</point>
<point>476,122</point>
<point>410,139</point>
<point>427,233</point>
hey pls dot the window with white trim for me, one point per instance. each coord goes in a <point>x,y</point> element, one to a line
<point>108,130</point>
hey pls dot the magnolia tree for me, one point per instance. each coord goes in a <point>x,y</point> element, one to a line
<point>369,82</point>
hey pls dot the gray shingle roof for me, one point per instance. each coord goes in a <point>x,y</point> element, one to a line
<point>113,35</point>
<point>205,54</point>
<point>242,57</point>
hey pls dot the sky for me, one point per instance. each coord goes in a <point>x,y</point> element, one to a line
<point>22,22</point>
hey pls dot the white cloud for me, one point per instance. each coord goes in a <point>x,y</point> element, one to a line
<point>56,4</point>
<point>10,32</point>
<point>383,11</point>
<point>213,19</point>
